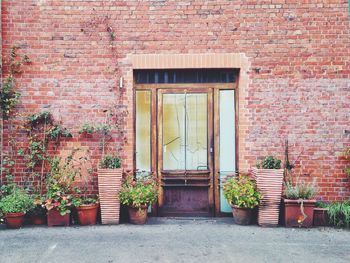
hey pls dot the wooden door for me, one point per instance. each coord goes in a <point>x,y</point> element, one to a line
<point>185,152</point>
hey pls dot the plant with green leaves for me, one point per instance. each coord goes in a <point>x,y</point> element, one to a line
<point>59,186</point>
<point>139,192</point>
<point>80,162</point>
<point>18,201</point>
<point>38,208</point>
<point>241,191</point>
<point>339,214</point>
<point>9,97</point>
<point>79,201</point>
<point>41,130</point>
<point>103,130</point>
<point>269,162</point>
<point>8,183</point>
<point>346,154</point>
<point>300,190</point>
<point>110,162</point>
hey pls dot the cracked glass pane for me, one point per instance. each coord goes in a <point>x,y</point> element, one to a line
<point>185,131</point>
<point>143,130</point>
<point>196,131</point>
<point>174,131</point>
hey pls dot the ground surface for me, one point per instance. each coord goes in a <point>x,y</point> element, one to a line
<point>174,240</point>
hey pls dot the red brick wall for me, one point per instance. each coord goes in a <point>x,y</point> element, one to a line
<point>299,80</point>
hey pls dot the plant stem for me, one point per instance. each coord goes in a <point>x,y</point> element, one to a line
<point>43,161</point>
<point>1,148</point>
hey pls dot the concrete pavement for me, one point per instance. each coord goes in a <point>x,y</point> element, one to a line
<point>174,240</point>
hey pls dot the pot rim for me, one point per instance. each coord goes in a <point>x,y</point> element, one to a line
<point>87,207</point>
<point>243,208</point>
<point>18,214</point>
<point>286,200</point>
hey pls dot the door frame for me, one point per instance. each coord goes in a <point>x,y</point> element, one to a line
<point>210,145</point>
<point>192,87</point>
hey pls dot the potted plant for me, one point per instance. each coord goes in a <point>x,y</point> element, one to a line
<point>339,214</point>
<point>299,204</point>
<point>14,206</point>
<point>242,195</point>
<point>87,209</point>
<point>85,203</point>
<point>321,214</point>
<point>269,180</point>
<point>37,215</point>
<point>109,172</point>
<point>138,194</point>
<point>59,189</point>
<point>109,182</point>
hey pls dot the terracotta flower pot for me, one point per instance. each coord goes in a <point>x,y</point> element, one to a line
<point>14,220</point>
<point>87,214</point>
<point>242,216</point>
<point>298,213</point>
<point>138,216</point>
<point>54,218</point>
<point>109,183</point>
<point>37,220</point>
<point>321,217</point>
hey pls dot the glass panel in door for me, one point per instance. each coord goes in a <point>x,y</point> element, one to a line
<point>196,132</point>
<point>185,134</point>
<point>227,141</point>
<point>174,117</point>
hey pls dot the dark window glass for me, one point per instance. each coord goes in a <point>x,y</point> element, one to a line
<point>163,76</point>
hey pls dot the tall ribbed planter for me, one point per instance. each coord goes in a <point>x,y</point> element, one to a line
<point>269,183</point>
<point>109,183</point>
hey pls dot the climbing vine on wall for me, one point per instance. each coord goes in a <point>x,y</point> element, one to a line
<point>101,25</point>
<point>9,98</point>
<point>41,130</point>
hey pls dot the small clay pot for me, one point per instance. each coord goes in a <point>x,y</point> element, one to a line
<point>138,216</point>
<point>298,213</point>
<point>37,220</point>
<point>242,216</point>
<point>87,214</point>
<point>321,216</point>
<point>54,218</point>
<point>14,220</point>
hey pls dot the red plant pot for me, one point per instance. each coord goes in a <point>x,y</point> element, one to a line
<point>321,217</point>
<point>87,214</point>
<point>37,220</point>
<point>138,216</point>
<point>242,216</point>
<point>54,218</point>
<point>14,220</point>
<point>298,213</point>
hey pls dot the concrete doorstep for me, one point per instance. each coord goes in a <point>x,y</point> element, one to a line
<point>174,240</point>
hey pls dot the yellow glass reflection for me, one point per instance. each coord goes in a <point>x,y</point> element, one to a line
<point>143,130</point>
<point>185,131</point>
<point>174,131</point>
<point>196,131</point>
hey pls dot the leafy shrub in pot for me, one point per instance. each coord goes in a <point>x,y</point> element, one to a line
<point>59,192</point>
<point>299,204</point>
<point>269,162</point>
<point>242,195</point>
<point>339,214</point>
<point>138,194</point>
<point>14,206</point>
<point>110,162</point>
<point>269,179</point>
